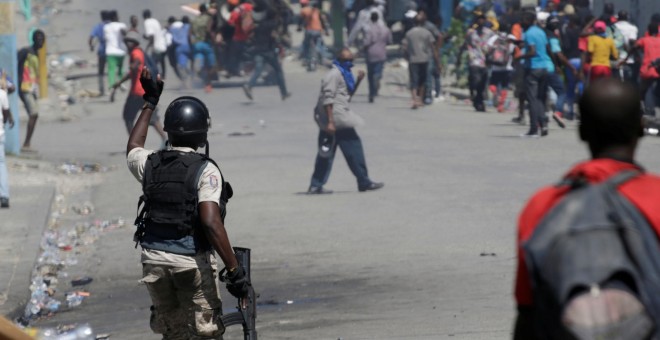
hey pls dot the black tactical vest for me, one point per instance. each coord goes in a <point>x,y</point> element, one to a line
<point>171,217</point>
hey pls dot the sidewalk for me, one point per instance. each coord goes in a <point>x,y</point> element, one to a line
<point>21,228</point>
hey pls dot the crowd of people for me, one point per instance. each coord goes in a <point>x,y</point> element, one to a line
<point>203,46</point>
<point>551,54</point>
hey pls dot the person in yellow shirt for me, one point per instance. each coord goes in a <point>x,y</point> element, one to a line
<point>601,50</point>
<point>28,84</point>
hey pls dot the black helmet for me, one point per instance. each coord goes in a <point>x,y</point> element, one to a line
<point>187,116</point>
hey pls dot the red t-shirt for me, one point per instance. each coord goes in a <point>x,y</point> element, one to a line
<point>136,86</point>
<point>651,48</point>
<point>643,191</point>
<point>235,20</point>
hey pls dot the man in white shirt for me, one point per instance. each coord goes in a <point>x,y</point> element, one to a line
<point>115,49</point>
<point>628,72</point>
<point>156,43</point>
<point>7,118</point>
<point>364,19</point>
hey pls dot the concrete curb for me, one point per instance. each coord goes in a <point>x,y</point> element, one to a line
<point>26,248</point>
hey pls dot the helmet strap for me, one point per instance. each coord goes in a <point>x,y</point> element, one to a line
<point>206,148</point>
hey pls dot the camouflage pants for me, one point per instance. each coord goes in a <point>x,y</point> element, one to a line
<point>186,303</point>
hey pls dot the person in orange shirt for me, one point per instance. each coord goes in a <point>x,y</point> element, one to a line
<point>311,18</point>
<point>601,50</point>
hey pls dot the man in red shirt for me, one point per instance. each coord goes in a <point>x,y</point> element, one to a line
<point>611,126</point>
<point>650,45</point>
<point>241,19</point>
<point>134,101</point>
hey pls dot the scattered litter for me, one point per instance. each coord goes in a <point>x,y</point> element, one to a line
<point>74,299</point>
<point>289,302</point>
<point>487,254</point>
<point>70,168</point>
<point>83,209</point>
<point>262,123</point>
<point>240,134</point>
<point>58,251</point>
<point>102,336</point>
<point>81,281</point>
<point>69,332</point>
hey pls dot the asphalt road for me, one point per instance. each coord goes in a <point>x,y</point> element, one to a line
<point>430,256</point>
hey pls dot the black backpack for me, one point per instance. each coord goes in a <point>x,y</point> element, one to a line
<point>594,263</point>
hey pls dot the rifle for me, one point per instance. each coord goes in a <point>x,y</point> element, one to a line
<point>246,313</point>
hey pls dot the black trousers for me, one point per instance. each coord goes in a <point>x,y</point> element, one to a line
<point>478,77</point>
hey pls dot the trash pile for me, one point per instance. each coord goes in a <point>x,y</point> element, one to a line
<point>69,332</point>
<point>58,250</point>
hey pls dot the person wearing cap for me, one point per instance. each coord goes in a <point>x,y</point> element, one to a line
<point>601,50</point>
<point>134,100</point>
<point>182,222</point>
<point>537,61</point>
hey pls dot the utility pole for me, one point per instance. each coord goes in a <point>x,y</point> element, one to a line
<point>8,63</point>
<point>338,23</point>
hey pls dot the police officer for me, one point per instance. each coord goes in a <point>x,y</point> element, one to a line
<point>184,197</point>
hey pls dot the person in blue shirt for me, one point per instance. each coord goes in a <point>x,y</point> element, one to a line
<point>97,34</point>
<point>537,64</point>
<point>179,31</point>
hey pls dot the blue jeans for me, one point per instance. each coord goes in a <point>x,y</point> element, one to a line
<point>204,50</point>
<point>536,91</point>
<point>351,146</point>
<point>557,84</point>
<point>312,45</point>
<point>432,80</point>
<point>270,58</point>
<point>183,56</point>
<point>4,185</point>
<point>374,74</point>
<point>573,84</point>
<point>649,88</point>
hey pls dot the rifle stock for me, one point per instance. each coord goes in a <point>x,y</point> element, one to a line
<point>246,313</point>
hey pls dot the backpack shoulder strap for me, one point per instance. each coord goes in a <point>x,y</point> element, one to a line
<point>622,177</point>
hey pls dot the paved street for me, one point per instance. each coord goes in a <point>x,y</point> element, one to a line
<point>430,256</point>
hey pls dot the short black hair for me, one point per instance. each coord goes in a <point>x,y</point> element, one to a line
<point>185,19</point>
<point>528,17</point>
<point>623,15</point>
<point>653,29</point>
<point>374,16</point>
<point>38,32</point>
<point>608,8</point>
<point>610,112</point>
<point>202,8</point>
<point>146,14</point>
<point>171,20</point>
<point>114,15</point>
<point>105,15</point>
